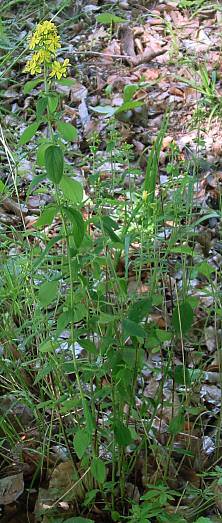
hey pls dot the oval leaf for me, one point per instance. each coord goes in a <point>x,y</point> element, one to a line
<point>98,470</point>
<point>122,434</point>
<point>109,18</point>
<point>182,318</point>
<point>67,131</point>
<point>53,100</point>
<point>31,84</point>
<point>81,442</point>
<point>88,345</point>
<point>132,328</point>
<point>72,189</point>
<point>107,110</point>
<point>47,216</point>
<point>129,105</point>
<point>40,156</point>
<point>77,222</point>
<point>48,292</point>
<point>41,107</point>
<point>29,132</point>
<point>54,163</point>
<point>140,309</point>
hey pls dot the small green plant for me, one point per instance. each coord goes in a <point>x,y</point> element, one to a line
<point>96,271</point>
<point>175,45</point>
<point>192,4</point>
<point>206,85</point>
<point>110,20</point>
<point>154,503</point>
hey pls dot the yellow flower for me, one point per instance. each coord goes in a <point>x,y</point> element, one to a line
<point>45,41</point>
<point>33,66</point>
<point>59,69</point>
<point>145,195</point>
<point>43,56</point>
<point>45,37</point>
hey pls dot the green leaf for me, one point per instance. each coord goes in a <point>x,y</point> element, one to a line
<point>129,105</point>
<point>88,345</point>
<point>206,269</point>
<point>109,225</point>
<point>152,168</point>
<point>31,84</point>
<point>132,358</point>
<point>71,189</point>
<point>176,423</point>
<point>108,110</point>
<point>66,81</point>
<point>67,131</point>
<point>53,100</point>
<point>90,497</point>
<point>182,249</point>
<point>47,216</point>
<point>44,371</point>
<point>181,375</point>
<point>163,335</point>
<point>50,244</point>
<point>47,346</point>
<point>41,106</point>
<point>40,156</point>
<point>98,470</point>
<point>81,442</point>
<point>77,222</point>
<point>132,328</point>
<point>79,312</point>
<point>63,320</point>
<point>108,19</point>
<point>48,292</point>
<point>28,133</point>
<point>122,434</point>
<point>182,318</point>
<point>90,421</point>
<point>69,405</point>
<point>2,187</point>
<point>129,91</point>
<point>54,163</point>
<point>116,516</point>
<point>140,309</point>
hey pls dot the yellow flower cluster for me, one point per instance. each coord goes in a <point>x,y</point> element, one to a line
<point>59,69</point>
<point>45,42</point>
<point>45,37</point>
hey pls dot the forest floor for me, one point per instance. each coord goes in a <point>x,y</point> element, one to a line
<point>146,106</point>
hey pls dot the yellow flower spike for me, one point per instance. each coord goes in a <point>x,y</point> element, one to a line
<point>45,41</point>
<point>45,37</point>
<point>59,69</point>
<point>145,196</point>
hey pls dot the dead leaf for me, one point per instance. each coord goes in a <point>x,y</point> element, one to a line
<point>11,487</point>
<point>210,338</point>
<point>127,42</point>
<point>78,92</point>
<point>151,74</point>
<point>67,484</point>
<point>83,113</point>
<point>176,91</point>
<point>110,52</point>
